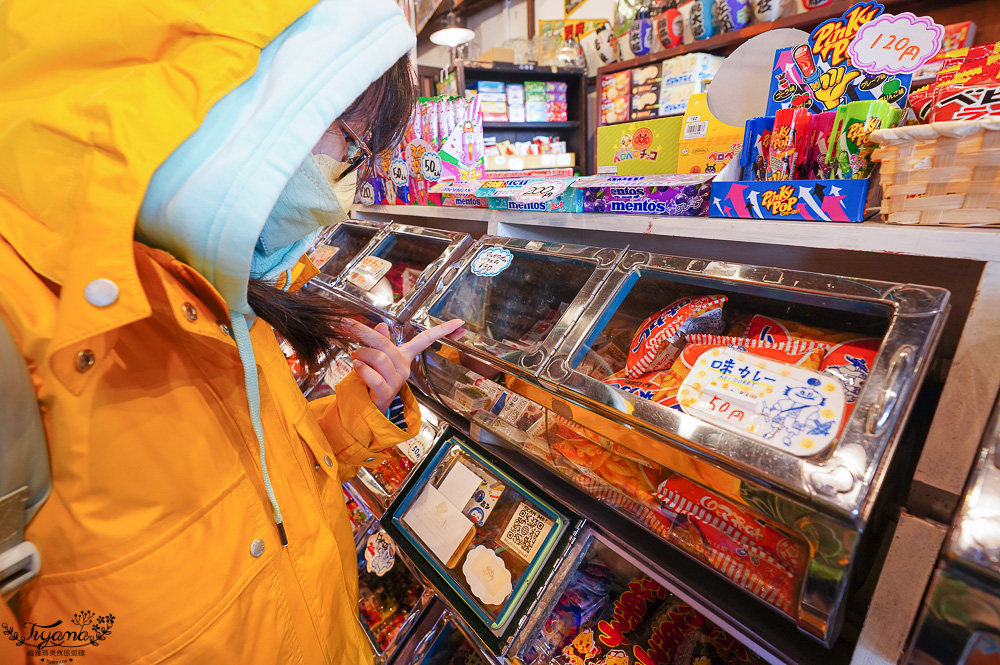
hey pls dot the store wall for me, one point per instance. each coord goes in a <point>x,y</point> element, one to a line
<point>491,24</point>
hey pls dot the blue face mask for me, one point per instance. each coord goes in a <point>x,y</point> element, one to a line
<point>312,199</point>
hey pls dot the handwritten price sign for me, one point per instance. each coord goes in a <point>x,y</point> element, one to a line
<point>380,553</point>
<point>540,191</point>
<point>397,171</point>
<point>898,44</point>
<point>366,193</point>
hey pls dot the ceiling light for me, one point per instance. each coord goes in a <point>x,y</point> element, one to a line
<point>452,32</point>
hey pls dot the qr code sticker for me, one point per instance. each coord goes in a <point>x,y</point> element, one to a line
<point>526,532</point>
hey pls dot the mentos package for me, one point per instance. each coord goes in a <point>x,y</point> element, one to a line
<point>531,194</point>
<point>685,194</point>
<point>459,193</point>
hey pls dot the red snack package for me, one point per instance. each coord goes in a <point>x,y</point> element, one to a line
<point>968,98</point>
<point>656,386</point>
<point>657,342</point>
<point>851,362</point>
<point>642,597</point>
<point>772,329</point>
<point>669,633</point>
<point>742,545</point>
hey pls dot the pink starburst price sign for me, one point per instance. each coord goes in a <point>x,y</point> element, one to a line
<point>898,44</point>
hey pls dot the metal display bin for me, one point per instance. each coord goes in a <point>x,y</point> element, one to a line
<point>392,598</point>
<point>440,639</point>
<point>960,619</point>
<point>337,247</point>
<point>483,536</point>
<point>801,517</point>
<point>413,256</point>
<point>514,319</point>
<point>360,516</point>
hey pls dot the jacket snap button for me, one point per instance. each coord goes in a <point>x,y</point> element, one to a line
<point>256,548</point>
<point>224,328</point>
<point>189,311</point>
<point>369,460</point>
<point>101,292</point>
<point>84,360</point>
<point>326,458</point>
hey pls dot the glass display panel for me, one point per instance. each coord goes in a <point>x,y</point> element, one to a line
<point>742,541</point>
<point>656,328</point>
<point>485,534</point>
<point>519,305</point>
<point>612,612</point>
<point>452,647</point>
<point>345,243</point>
<point>386,600</point>
<point>409,256</point>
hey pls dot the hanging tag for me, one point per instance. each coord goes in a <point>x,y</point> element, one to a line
<point>783,406</point>
<point>380,553</point>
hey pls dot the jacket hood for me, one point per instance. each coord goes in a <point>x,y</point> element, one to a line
<point>94,99</point>
<point>209,201</point>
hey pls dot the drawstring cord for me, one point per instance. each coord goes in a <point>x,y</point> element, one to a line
<point>241,333</point>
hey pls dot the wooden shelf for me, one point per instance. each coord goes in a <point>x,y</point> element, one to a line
<point>807,20</point>
<point>572,124</point>
<point>976,244</point>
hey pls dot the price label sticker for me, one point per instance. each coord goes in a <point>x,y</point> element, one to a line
<point>783,406</point>
<point>540,191</point>
<point>898,44</point>
<point>398,172</point>
<point>380,553</point>
<point>491,262</point>
<point>368,272</point>
<point>416,150</point>
<point>366,193</point>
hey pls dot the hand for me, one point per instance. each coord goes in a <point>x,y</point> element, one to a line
<point>385,367</point>
<point>833,83</point>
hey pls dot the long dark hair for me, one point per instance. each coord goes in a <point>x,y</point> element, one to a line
<point>310,322</point>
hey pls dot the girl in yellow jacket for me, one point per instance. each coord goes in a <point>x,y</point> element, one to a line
<point>166,163</point>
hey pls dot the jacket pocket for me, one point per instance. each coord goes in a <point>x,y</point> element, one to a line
<point>325,465</point>
<point>165,598</point>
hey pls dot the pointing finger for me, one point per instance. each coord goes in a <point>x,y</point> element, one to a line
<point>383,329</point>
<point>428,337</point>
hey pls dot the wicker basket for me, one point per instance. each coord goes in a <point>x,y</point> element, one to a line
<point>944,173</point>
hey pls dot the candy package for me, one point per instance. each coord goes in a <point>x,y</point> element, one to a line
<point>657,342</point>
<point>851,361</point>
<point>772,329</point>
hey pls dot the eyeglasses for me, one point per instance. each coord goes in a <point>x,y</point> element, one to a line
<point>358,151</point>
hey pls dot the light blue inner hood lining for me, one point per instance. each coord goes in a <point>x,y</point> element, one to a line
<point>209,201</point>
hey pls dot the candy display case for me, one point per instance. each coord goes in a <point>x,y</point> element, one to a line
<point>381,484</point>
<point>744,407</point>
<point>483,536</point>
<point>391,274</point>
<point>518,298</point>
<point>960,618</point>
<point>440,639</point>
<point>391,597</point>
<point>360,516</point>
<point>337,247</point>
<point>605,607</point>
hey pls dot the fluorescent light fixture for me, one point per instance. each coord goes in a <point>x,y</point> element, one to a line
<point>452,32</point>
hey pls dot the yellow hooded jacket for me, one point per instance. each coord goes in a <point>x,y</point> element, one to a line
<point>157,493</point>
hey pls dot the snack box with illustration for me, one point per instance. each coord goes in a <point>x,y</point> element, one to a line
<point>531,194</point>
<point>683,194</point>
<point>802,200</point>
<point>647,147</point>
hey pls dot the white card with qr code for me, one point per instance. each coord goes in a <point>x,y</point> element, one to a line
<point>526,532</point>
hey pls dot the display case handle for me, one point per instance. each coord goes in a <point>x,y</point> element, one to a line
<point>425,643</point>
<point>446,277</point>
<point>879,414</point>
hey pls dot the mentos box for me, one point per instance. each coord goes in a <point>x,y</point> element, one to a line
<point>461,193</point>
<point>684,194</point>
<point>531,194</point>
